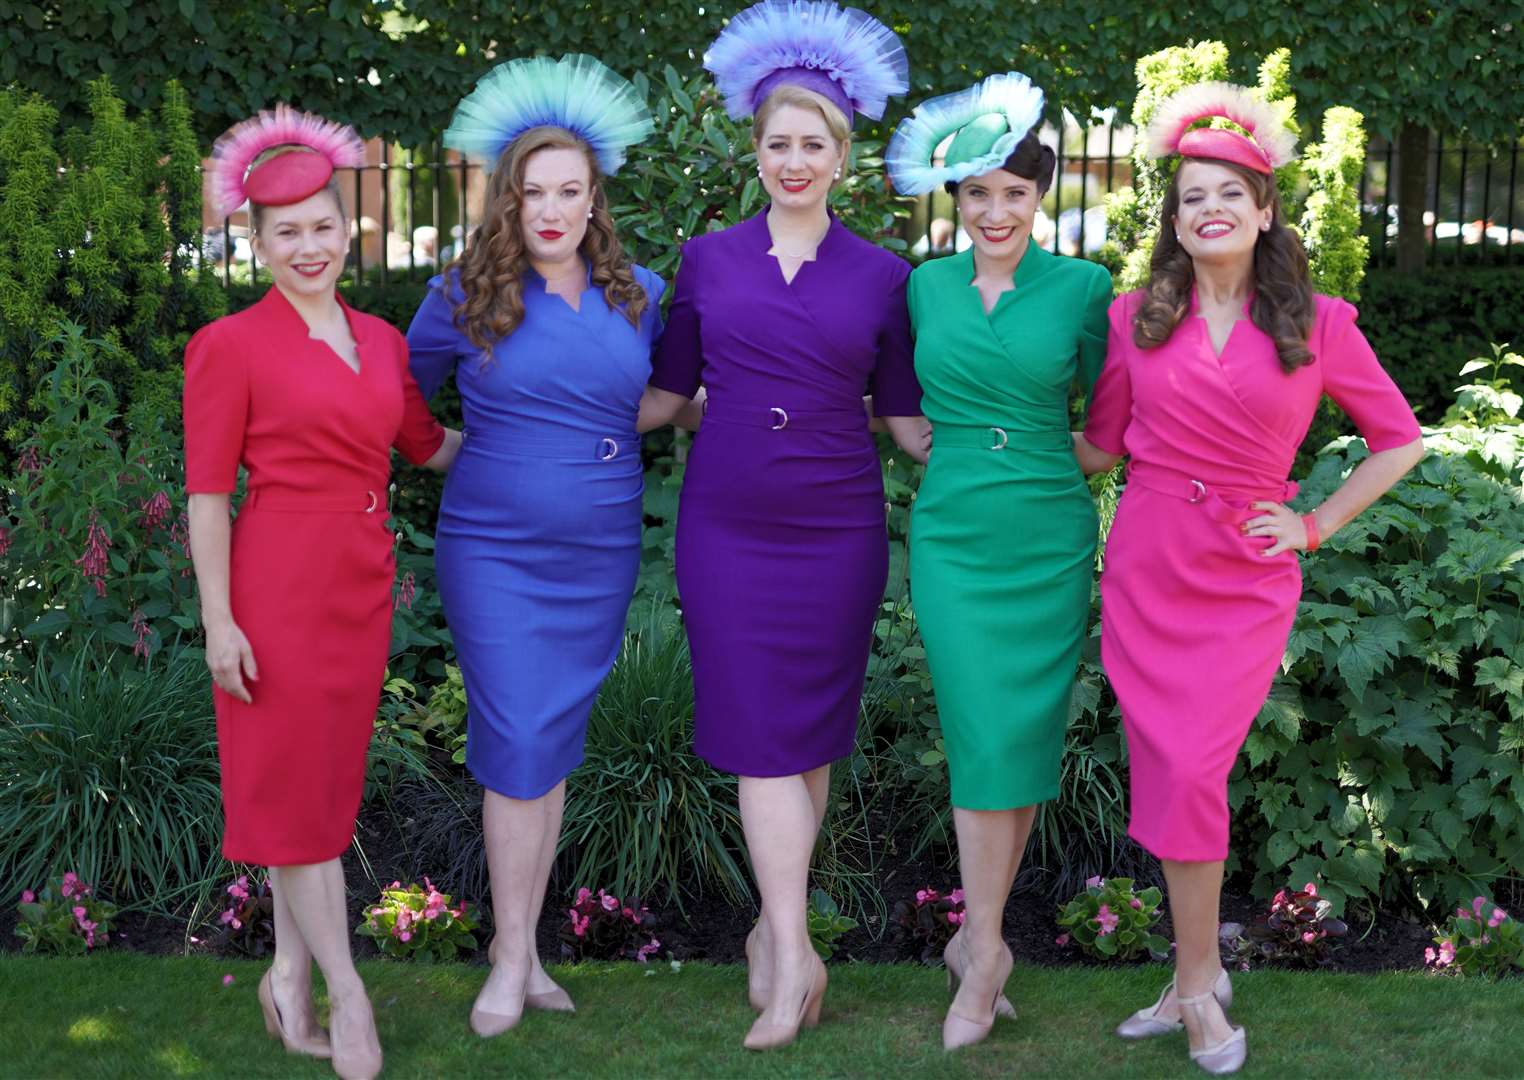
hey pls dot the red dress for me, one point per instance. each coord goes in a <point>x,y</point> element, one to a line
<point>312,563</point>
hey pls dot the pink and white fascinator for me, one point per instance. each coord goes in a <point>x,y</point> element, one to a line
<point>284,178</point>
<point>1264,145</point>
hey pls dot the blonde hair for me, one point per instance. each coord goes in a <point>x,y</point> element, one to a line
<point>491,269</point>
<point>789,94</point>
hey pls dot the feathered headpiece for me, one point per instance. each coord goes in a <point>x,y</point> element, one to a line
<point>575,92</point>
<point>990,118</point>
<point>1266,146</point>
<point>844,54</point>
<point>284,178</point>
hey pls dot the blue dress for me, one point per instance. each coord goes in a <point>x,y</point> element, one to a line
<point>538,544</point>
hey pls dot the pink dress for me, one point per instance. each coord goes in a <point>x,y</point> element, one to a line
<point>1194,620</point>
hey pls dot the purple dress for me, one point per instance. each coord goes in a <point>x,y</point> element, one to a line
<point>781,548</point>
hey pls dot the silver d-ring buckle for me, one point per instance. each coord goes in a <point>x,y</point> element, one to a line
<point>608,449</point>
<point>999,433</point>
<point>780,418</point>
<point>1200,492</point>
<point>373,503</point>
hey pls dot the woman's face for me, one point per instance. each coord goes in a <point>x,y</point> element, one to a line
<point>556,203</point>
<point>303,244</point>
<point>798,158</point>
<point>997,209</point>
<point>1218,220</point>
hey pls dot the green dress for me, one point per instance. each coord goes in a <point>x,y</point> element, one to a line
<point>1003,534</point>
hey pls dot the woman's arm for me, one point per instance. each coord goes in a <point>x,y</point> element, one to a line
<point>1092,459</point>
<point>911,434</point>
<point>1371,479</point>
<point>444,457</point>
<point>227,651</point>
<point>661,407</point>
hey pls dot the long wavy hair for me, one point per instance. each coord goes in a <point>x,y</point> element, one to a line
<point>491,269</point>
<point>1282,306</point>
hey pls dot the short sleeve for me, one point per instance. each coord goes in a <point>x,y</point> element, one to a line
<point>216,410</point>
<point>1111,403</point>
<point>913,301</point>
<point>420,435</point>
<point>434,342</point>
<point>896,392</point>
<point>1094,328</point>
<point>1357,382</point>
<point>655,288</point>
<point>678,363</point>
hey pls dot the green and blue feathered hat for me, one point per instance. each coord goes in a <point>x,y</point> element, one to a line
<point>986,122</point>
<point>575,92</point>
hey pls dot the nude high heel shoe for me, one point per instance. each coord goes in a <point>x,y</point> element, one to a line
<point>959,1031</point>
<point>758,990</point>
<point>952,960</point>
<point>312,1047</point>
<point>489,1025</point>
<point>361,1064</point>
<point>1223,1057</point>
<point>1145,1023</point>
<point>557,1000</point>
<point>765,1036</point>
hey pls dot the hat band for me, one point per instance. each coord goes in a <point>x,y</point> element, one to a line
<point>810,79</point>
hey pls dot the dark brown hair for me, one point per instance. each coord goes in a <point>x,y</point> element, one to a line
<point>1029,159</point>
<point>1282,306</point>
<point>491,269</point>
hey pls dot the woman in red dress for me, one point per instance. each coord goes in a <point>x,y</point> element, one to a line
<point>309,396</point>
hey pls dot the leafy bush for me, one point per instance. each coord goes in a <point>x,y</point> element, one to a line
<point>65,918</point>
<point>1385,763</point>
<point>603,927</point>
<point>248,922</point>
<point>825,923</point>
<point>926,924</point>
<point>112,770</point>
<point>1480,940</point>
<point>1299,931</point>
<point>417,922</point>
<point>97,542</point>
<point>1108,921</point>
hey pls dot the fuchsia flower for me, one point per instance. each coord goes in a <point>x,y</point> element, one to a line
<point>5,540</point>
<point>240,888</point>
<point>1429,956</point>
<point>435,904</point>
<point>1308,937</point>
<point>1446,954</point>
<point>1135,904</point>
<point>140,644</point>
<point>1107,920</point>
<point>1477,905</point>
<point>926,896</point>
<point>1310,889</point>
<point>1061,940</point>
<point>579,922</point>
<point>28,896</point>
<point>610,903</point>
<point>94,563</point>
<point>1094,882</point>
<point>645,952</point>
<point>1497,918</point>
<point>155,511</point>
<point>1279,901</point>
<point>406,592</point>
<point>227,980</point>
<point>956,896</point>
<point>956,917</point>
<point>583,894</point>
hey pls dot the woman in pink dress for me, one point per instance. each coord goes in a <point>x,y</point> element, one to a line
<point>1213,372</point>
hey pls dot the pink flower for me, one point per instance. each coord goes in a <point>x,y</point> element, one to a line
<point>28,896</point>
<point>646,951</point>
<point>610,903</point>
<point>5,540</point>
<point>956,917</point>
<point>434,906</point>
<point>406,592</point>
<point>1106,920</point>
<point>406,935</point>
<point>923,896</point>
<point>155,510</point>
<point>94,562</point>
<point>1309,937</point>
<point>1446,954</point>
<point>1310,889</point>
<point>1429,955</point>
<point>1094,882</point>
<point>1477,905</point>
<point>227,980</point>
<point>405,919</point>
<point>72,885</point>
<point>240,888</point>
<point>80,913</point>
<point>1061,940</point>
<point>1279,901</point>
<point>1498,917</point>
<point>583,894</point>
<point>956,896</point>
<point>1136,904</point>
<point>579,922</point>
<point>395,885</point>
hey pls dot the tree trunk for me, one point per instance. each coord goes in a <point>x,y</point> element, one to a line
<point>1412,187</point>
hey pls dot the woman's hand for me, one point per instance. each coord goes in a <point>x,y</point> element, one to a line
<point>911,434</point>
<point>230,659</point>
<point>1282,524</point>
<point>1092,459</point>
<point>444,457</point>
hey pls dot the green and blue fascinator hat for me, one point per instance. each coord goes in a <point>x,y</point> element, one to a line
<point>575,92</point>
<point>986,122</point>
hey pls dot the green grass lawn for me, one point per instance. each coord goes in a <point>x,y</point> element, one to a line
<point>127,1015</point>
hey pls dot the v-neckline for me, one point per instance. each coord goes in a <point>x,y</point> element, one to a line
<point>344,309</point>
<point>972,286</point>
<point>766,244</point>
<point>1206,326</point>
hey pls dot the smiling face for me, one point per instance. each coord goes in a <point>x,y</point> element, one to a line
<point>554,203</point>
<point>798,157</point>
<point>997,209</point>
<point>303,244</point>
<point>1218,218</point>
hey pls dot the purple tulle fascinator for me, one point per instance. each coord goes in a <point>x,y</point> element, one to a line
<point>844,54</point>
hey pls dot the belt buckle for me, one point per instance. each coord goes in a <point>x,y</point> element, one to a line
<point>780,417</point>
<point>1200,492</point>
<point>608,449</point>
<point>371,509</point>
<point>998,433</point>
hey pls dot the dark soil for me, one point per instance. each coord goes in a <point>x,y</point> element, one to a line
<point>714,930</point>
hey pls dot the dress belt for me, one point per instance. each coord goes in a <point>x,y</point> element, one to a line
<point>779,418</point>
<point>299,502</point>
<point>1224,501</point>
<point>569,446</point>
<point>991,437</point>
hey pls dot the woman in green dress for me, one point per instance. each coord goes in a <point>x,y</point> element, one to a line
<point>1003,535</point>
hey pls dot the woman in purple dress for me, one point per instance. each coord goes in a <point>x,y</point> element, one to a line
<point>787,320</point>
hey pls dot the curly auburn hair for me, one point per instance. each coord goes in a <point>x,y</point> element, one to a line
<point>492,266</point>
<point>1282,306</point>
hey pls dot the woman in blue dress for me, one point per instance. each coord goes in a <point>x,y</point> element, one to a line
<point>548,329</point>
